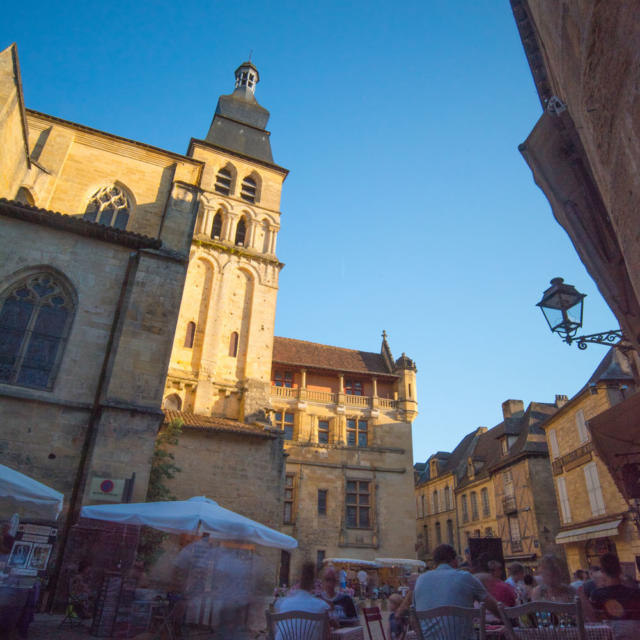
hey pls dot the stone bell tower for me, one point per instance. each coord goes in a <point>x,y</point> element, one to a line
<point>221,358</point>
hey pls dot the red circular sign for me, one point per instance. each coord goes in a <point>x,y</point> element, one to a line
<point>106,486</point>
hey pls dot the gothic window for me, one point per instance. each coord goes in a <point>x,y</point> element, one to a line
<point>241,232</point>
<point>322,502</point>
<point>109,206</point>
<point>249,189</point>
<point>216,229</point>
<point>358,504</point>
<point>223,182</point>
<point>35,318</point>
<point>190,335</point>
<point>233,344</point>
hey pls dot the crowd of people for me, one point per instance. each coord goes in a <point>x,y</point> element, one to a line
<point>605,593</point>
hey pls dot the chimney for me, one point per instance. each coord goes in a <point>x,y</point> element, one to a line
<point>481,430</point>
<point>561,400</point>
<point>512,408</point>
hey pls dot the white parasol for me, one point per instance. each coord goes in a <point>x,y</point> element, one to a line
<point>196,515</point>
<point>41,501</point>
<point>409,563</point>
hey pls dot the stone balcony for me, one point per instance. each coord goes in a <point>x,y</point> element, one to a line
<point>339,399</point>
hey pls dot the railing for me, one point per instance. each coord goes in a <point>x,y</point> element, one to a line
<point>322,396</point>
<point>327,397</point>
<point>284,392</point>
<point>509,504</point>
<point>357,401</point>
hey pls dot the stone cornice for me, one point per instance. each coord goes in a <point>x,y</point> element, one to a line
<point>202,240</point>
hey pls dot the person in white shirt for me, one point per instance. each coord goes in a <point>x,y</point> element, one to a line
<point>302,600</point>
<point>363,578</point>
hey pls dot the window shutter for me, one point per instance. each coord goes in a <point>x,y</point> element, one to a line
<point>593,489</point>
<point>553,443</point>
<point>564,500</point>
<point>583,432</point>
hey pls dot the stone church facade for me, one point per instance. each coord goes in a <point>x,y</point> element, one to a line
<point>166,271</point>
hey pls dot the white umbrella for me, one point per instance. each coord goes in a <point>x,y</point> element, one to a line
<point>42,501</point>
<point>196,515</point>
<point>401,562</point>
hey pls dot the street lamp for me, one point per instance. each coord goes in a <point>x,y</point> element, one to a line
<point>562,306</point>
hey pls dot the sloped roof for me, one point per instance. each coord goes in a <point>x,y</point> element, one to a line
<point>76,224</point>
<point>453,462</point>
<point>322,356</point>
<point>212,423</point>
<point>614,366</point>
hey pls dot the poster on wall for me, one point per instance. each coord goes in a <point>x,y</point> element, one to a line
<point>20,554</point>
<point>39,556</point>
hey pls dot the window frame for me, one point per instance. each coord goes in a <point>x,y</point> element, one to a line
<point>62,289</point>
<point>219,186</point>
<point>217,216</point>
<point>289,499</point>
<point>323,495</point>
<point>324,432</point>
<point>283,424</point>
<point>464,507</point>
<point>473,499</point>
<point>513,520</point>
<point>359,506</point>
<point>356,431</point>
<point>594,489</point>
<point>249,192</point>
<point>190,335</point>
<point>353,387</point>
<point>486,504</point>
<point>565,506</point>
<point>282,378</point>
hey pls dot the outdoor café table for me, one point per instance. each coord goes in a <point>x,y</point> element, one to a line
<point>595,631</point>
<point>348,633</point>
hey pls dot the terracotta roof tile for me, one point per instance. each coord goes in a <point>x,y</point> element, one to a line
<point>322,356</point>
<point>213,423</point>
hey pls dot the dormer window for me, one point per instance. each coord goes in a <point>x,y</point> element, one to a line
<point>249,189</point>
<point>505,446</point>
<point>433,469</point>
<point>470,468</point>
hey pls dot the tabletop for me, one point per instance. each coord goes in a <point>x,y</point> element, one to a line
<point>348,633</point>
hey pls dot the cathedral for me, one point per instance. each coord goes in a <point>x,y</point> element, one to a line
<point>139,286</point>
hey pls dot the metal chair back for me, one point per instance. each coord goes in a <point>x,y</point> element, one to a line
<point>297,625</point>
<point>373,615</point>
<point>548,620</point>
<point>449,623</point>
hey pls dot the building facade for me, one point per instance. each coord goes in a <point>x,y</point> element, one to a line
<point>503,487</point>
<point>595,518</point>
<point>346,418</point>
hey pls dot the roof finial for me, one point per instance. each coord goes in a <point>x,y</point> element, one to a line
<point>384,334</point>
<point>250,54</point>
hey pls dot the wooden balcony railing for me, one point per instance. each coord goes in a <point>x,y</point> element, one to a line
<point>516,546</point>
<point>284,392</point>
<point>357,401</point>
<point>325,397</point>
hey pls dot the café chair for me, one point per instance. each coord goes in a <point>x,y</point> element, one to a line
<point>373,615</point>
<point>449,623</point>
<point>548,620</point>
<point>72,616</point>
<point>297,625</point>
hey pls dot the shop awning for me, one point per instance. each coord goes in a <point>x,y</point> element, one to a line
<point>21,492</point>
<point>353,561</point>
<point>601,530</point>
<point>616,438</point>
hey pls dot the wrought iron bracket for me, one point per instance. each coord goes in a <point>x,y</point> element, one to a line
<point>613,338</point>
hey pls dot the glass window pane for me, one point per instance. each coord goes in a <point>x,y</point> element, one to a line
<point>362,439</point>
<point>351,438</point>
<point>51,322</point>
<point>364,516</point>
<point>288,417</point>
<point>352,498</point>
<point>288,433</point>
<point>289,481</point>
<point>323,437</point>
<point>364,487</point>
<point>278,416</point>
<point>15,314</point>
<point>351,517</point>
<point>287,512</point>
<point>364,499</point>
<point>351,424</point>
<point>362,425</point>
<point>351,486</point>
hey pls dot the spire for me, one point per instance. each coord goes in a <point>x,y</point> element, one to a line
<point>385,350</point>
<point>239,121</point>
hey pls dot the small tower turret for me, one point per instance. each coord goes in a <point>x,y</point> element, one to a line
<point>406,368</point>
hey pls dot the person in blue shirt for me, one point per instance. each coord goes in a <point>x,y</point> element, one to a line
<point>446,585</point>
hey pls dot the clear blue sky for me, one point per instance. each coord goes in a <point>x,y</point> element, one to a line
<point>408,206</point>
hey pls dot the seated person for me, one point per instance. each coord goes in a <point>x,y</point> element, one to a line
<point>614,600</point>
<point>303,600</point>
<point>343,609</point>
<point>552,589</point>
<point>80,591</point>
<point>397,621</point>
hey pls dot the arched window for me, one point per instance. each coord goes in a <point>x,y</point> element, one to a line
<point>109,206</point>
<point>223,181</point>
<point>241,232</point>
<point>233,344</point>
<point>447,498</point>
<point>249,189</point>
<point>35,318</point>
<point>190,335</point>
<point>25,196</point>
<point>172,402</point>
<point>216,229</point>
